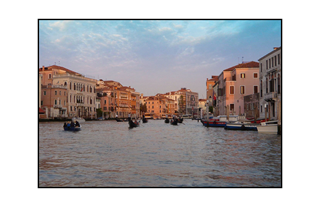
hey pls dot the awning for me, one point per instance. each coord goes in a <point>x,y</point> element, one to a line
<point>41,111</point>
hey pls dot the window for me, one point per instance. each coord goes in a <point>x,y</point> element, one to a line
<point>278,59</point>
<point>55,92</point>
<point>275,60</point>
<point>231,89</point>
<point>255,89</point>
<point>255,75</point>
<point>70,108</point>
<point>70,85</point>
<point>242,90</point>
<point>272,61</point>
<point>49,76</point>
<point>242,75</point>
<point>55,102</point>
<point>261,67</point>
<point>231,107</point>
<point>266,64</point>
<point>59,92</point>
<point>41,103</point>
<point>44,93</point>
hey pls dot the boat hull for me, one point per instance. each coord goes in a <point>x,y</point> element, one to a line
<point>72,128</point>
<point>243,127</point>
<point>268,129</point>
<point>214,123</point>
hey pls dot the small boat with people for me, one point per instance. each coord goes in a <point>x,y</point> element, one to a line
<point>268,127</point>
<point>180,120</point>
<point>174,121</point>
<point>133,123</point>
<point>72,126</point>
<point>119,120</point>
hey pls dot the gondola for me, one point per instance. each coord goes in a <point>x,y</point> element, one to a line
<point>174,122</point>
<point>144,120</point>
<point>119,120</point>
<point>180,120</point>
<point>133,124</point>
<point>166,121</point>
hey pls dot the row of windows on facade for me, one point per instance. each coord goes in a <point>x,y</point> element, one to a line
<point>242,75</point>
<point>79,86</point>
<point>271,84</point>
<point>221,91</point>
<point>89,108</point>
<point>272,62</point>
<point>76,99</point>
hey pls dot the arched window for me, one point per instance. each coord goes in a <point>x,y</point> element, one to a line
<point>49,76</point>
<point>65,83</point>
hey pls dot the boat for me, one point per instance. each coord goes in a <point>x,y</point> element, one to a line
<point>72,128</point>
<point>133,123</point>
<point>69,127</point>
<point>144,120</point>
<point>78,119</point>
<point>174,122</point>
<point>119,120</point>
<point>248,126</point>
<point>268,127</point>
<point>166,121</point>
<point>219,121</point>
<point>180,120</point>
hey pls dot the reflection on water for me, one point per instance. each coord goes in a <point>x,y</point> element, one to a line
<point>109,154</point>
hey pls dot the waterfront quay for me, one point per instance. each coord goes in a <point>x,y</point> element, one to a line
<point>155,154</point>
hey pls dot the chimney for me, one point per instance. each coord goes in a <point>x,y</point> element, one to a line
<point>43,68</point>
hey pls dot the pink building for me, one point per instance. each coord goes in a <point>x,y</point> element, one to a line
<point>234,84</point>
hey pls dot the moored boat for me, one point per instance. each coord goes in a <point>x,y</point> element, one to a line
<point>269,127</point>
<point>241,126</point>
<point>166,121</point>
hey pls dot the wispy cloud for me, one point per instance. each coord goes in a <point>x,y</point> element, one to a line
<point>148,48</point>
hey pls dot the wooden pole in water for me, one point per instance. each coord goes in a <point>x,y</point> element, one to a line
<point>265,112</point>
<point>269,110</point>
<point>228,112</point>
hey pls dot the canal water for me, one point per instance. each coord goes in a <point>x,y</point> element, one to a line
<point>110,154</point>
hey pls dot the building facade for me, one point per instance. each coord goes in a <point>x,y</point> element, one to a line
<point>234,84</point>
<point>80,91</point>
<point>270,84</point>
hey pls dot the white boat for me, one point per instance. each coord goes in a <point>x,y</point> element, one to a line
<point>79,119</point>
<point>269,127</point>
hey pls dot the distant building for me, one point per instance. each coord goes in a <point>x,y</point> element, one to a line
<point>270,84</point>
<point>210,83</point>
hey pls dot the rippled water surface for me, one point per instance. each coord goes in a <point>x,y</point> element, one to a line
<point>109,154</point>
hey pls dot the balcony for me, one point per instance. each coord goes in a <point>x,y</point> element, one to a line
<point>272,96</point>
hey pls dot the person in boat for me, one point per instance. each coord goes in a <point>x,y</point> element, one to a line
<point>64,125</point>
<point>77,124</point>
<point>72,124</point>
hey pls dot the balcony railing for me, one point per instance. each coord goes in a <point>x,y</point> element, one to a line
<point>271,96</point>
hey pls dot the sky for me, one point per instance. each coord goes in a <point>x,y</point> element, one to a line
<point>155,56</point>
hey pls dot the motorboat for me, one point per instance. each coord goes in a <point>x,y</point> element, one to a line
<point>268,127</point>
<point>245,126</point>
<point>78,119</point>
<point>219,121</point>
